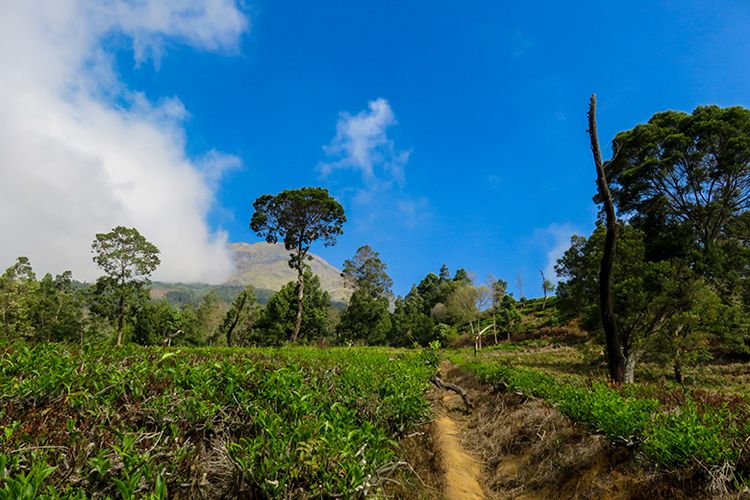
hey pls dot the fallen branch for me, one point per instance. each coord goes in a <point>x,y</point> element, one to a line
<point>455,388</point>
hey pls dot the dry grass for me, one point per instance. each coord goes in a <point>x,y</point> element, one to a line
<point>529,450</point>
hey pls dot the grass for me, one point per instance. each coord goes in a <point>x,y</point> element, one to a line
<point>152,422</point>
<point>671,426</point>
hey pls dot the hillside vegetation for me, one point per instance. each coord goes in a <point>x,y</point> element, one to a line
<point>202,423</point>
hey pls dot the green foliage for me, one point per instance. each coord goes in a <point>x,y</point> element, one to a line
<point>276,322</point>
<point>461,304</point>
<point>17,287</point>
<point>240,321</point>
<point>499,290</point>
<point>366,271</point>
<point>299,217</point>
<point>125,255</point>
<point>691,432</point>
<point>203,322</point>
<point>685,170</point>
<point>140,420</point>
<point>663,308</point>
<point>48,310</point>
<point>508,318</point>
<point>366,319</point>
<point>157,322</point>
<point>678,437</point>
<point>409,322</point>
<point>127,259</point>
<point>683,182</point>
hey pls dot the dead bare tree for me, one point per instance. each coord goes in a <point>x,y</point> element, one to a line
<point>615,356</point>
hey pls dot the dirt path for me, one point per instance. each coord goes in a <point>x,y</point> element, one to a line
<point>461,470</point>
<point>513,447</point>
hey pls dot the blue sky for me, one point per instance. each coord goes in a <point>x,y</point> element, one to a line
<point>451,132</point>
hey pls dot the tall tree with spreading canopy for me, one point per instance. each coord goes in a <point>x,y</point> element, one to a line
<point>684,180</point>
<point>298,217</point>
<point>128,260</point>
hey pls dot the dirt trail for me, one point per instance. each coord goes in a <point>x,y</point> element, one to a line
<point>461,470</point>
<point>512,447</point>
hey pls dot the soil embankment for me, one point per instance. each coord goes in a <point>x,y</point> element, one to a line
<point>511,446</point>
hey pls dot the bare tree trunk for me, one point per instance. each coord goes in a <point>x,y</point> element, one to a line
<point>120,319</point>
<point>236,319</point>
<point>494,327</point>
<point>615,357</point>
<point>477,337</point>
<point>631,360</point>
<point>300,299</point>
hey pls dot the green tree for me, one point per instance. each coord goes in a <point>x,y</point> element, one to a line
<point>445,274</point>
<point>651,298</point>
<point>431,291</point>
<point>299,217</point>
<point>366,270</point>
<point>58,311</point>
<point>462,276</point>
<point>547,287</point>
<point>278,320</point>
<point>366,318</point>
<point>684,181</point>
<point>205,320</point>
<point>462,305</point>
<point>128,260</point>
<point>499,290</point>
<point>17,293</point>
<point>409,323</point>
<point>686,169</point>
<point>157,322</point>
<point>507,316</point>
<point>241,319</point>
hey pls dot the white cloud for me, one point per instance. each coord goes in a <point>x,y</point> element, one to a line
<point>81,153</point>
<point>361,143</point>
<point>362,146</point>
<point>554,240</point>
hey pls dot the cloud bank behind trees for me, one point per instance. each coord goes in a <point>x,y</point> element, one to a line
<point>80,152</point>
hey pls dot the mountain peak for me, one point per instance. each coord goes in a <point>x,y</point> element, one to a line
<point>265,265</point>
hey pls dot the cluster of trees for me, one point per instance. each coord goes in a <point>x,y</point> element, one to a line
<point>679,188</point>
<point>116,306</point>
<point>436,309</point>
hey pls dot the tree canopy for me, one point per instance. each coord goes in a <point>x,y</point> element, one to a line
<point>128,260</point>
<point>298,217</point>
<point>366,270</point>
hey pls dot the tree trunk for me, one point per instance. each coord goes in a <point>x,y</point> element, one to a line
<point>120,319</point>
<point>630,363</point>
<point>615,357</point>
<point>678,372</point>
<point>236,319</point>
<point>300,299</point>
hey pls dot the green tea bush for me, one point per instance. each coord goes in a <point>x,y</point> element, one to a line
<point>136,421</point>
<point>710,435</point>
